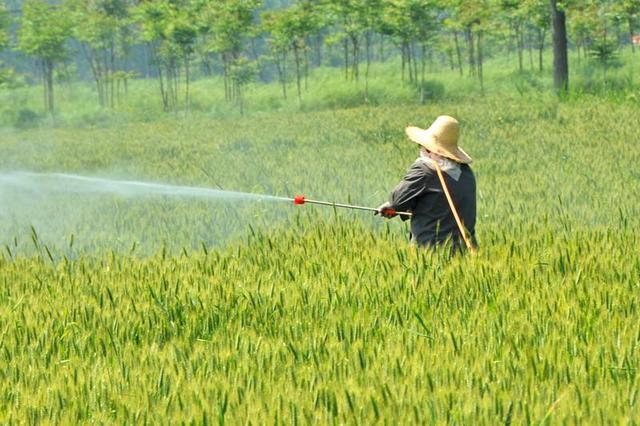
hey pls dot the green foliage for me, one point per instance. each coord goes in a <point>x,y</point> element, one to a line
<point>228,23</point>
<point>26,118</point>
<point>170,30</point>
<point>5,22</point>
<point>102,25</point>
<point>44,30</point>
<point>243,71</point>
<point>104,29</point>
<point>408,20</point>
<point>322,316</point>
<point>605,52</point>
<point>43,33</point>
<point>175,42</point>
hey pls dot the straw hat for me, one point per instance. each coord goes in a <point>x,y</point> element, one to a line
<point>441,138</point>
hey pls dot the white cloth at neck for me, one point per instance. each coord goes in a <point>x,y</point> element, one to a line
<point>450,167</point>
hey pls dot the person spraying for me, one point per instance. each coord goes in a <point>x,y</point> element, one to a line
<point>439,189</point>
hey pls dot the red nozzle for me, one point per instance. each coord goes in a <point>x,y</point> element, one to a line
<point>298,200</point>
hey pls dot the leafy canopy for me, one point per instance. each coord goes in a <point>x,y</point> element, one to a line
<point>44,30</point>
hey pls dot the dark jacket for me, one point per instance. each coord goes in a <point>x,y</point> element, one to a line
<point>433,222</point>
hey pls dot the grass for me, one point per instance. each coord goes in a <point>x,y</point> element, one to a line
<point>327,89</point>
<point>259,313</point>
<point>292,328</point>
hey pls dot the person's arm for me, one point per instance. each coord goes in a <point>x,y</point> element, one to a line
<point>406,193</point>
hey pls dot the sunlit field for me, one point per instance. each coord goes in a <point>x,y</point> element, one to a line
<point>164,310</point>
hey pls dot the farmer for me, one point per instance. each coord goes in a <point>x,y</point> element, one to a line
<point>421,191</point>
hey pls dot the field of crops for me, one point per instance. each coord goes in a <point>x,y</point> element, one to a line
<point>163,310</point>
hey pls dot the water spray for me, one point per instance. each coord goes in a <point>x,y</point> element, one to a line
<point>61,182</point>
<point>299,200</point>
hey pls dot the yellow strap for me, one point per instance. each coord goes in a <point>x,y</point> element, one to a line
<point>466,238</point>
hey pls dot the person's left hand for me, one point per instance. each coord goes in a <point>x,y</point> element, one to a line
<point>385,210</point>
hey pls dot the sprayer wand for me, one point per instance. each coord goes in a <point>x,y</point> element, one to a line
<point>299,200</point>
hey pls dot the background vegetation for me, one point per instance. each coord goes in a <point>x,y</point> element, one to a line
<point>231,48</point>
<point>128,309</point>
<point>306,315</point>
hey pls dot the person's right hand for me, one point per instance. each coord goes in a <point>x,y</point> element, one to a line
<point>385,210</point>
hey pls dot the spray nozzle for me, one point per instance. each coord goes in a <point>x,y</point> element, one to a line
<point>298,200</point>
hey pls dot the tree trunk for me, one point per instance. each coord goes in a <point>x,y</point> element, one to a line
<point>186,78</point>
<point>458,52</point>
<point>49,78</point>
<point>410,62</point>
<point>633,46</point>
<point>45,93</point>
<point>541,37</point>
<point>296,55</point>
<point>281,65</point>
<point>176,82</point>
<point>480,61</point>
<point>530,49</point>
<point>415,62</point>
<point>519,42</point>
<point>318,50</point>
<point>225,72</point>
<point>423,98</point>
<point>345,45</point>
<point>163,89</point>
<point>111,69</point>
<point>431,61</point>
<point>403,55</point>
<point>206,65</point>
<point>94,64</point>
<point>472,53</point>
<point>604,59</point>
<point>306,68</point>
<point>560,54</point>
<point>367,41</point>
<point>355,43</point>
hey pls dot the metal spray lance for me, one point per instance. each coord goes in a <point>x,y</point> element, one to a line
<point>299,200</point>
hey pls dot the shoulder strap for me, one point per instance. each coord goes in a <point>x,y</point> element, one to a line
<point>463,232</point>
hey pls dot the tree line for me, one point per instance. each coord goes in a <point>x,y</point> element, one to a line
<point>243,40</point>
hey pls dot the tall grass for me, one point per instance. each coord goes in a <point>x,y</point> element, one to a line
<point>165,311</point>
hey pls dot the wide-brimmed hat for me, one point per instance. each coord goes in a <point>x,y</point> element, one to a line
<point>441,137</point>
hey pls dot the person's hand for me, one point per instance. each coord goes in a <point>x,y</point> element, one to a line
<point>385,210</point>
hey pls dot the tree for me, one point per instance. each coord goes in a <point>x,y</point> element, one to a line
<point>353,23</point>
<point>241,73</point>
<point>560,53</point>
<point>43,34</point>
<point>167,26</point>
<point>475,17</point>
<point>275,24</point>
<point>540,16</point>
<point>516,16</point>
<point>290,29</point>
<point>183,33</point>
<point>453,24</point>
<point>103,29</point>
<point>398,24</point>
<point>152,17</point>
<point>5,21</point>
<point>630,11</point>
<point>604,43</point>
<point>228,24</point>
